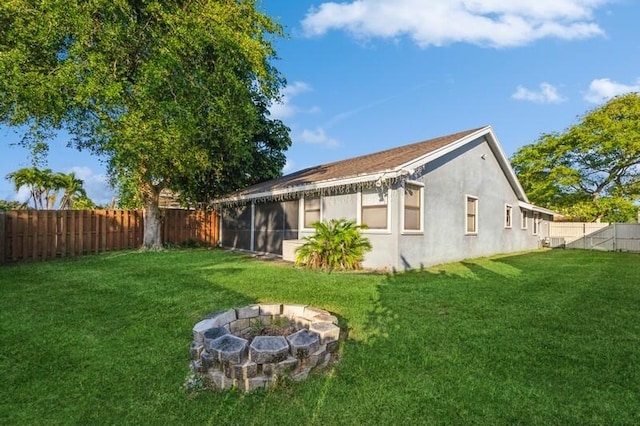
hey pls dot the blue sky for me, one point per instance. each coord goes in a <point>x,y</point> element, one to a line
<point>368,75</point>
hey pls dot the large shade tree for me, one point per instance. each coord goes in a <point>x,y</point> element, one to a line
<point>591,171</point>
<point>172,94</point>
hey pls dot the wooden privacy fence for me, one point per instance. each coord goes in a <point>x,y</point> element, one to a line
<point>48,234</point>
<point>190,226</point>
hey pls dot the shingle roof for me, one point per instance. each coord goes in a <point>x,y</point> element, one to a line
<point>370,164</point>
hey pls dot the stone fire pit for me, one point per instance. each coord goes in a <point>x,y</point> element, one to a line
<point>255,346</point>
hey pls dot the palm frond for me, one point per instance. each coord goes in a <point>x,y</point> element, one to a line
<point>337,244</point>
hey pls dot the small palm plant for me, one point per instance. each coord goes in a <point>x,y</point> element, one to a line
<point>336,244</point>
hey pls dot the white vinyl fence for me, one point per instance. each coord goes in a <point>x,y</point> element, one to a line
<point>596,236</point>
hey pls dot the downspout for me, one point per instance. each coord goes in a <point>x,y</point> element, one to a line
<point>396,228</point>
<point>253,226</point>
<point>220,231</point>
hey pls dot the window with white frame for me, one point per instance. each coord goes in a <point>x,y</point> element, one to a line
<point>536,218</point>
<point>508,216</point>
<point>413,207</point>
<point>374,209</point>
<point>471,215</point>
<point>311,211</point>
<point>523,219</point>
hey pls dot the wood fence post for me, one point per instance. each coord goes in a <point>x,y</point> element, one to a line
<point>25,226</point>
<point>45,236</point>
<point>3,236</point>
<point>35,231</point>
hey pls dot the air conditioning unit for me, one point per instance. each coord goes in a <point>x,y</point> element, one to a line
<point>554,242</point>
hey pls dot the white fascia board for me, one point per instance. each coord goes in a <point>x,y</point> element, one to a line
<point>492,140</point>
<point>420,161</point>
<point>534,208</point>
<point>506,166</point>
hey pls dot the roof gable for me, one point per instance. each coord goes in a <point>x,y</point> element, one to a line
<point>391,163</point>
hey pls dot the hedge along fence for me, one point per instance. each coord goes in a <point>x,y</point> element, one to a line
<point>48,234</point>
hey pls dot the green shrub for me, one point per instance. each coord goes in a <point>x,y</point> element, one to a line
<point>337,244</point>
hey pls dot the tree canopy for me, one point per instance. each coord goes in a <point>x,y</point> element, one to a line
<point>591,171</point>
<point>172,94</point>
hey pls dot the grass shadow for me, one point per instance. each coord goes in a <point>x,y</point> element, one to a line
<point>498,340</point>
<point>545,337</point>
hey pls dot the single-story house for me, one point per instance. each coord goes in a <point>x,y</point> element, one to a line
<point>441,200</point>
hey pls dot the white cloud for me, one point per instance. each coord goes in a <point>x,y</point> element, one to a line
<point>603,89</point>
<point>288,167</point>
<point>548,94</point>
<point>22,195</point>
<point>285,108</point>
<point>96,185</point>
<point>318,137</point>
<point>496,23</point>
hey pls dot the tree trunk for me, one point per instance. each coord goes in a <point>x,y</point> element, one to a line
<point>152,219</point>
<point>599,214</point>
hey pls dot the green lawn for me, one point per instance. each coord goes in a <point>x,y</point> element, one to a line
<point>549,337</point>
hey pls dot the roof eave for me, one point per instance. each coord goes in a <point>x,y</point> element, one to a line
<point>405,169</point>
<point>491,138</point>
<point>534,208</point>
<point>310,187</point>
<point>505,164</point>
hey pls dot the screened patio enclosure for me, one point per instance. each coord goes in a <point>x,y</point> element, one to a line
<point>260,227</point>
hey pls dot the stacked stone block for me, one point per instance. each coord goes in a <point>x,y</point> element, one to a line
<point>230,361</point>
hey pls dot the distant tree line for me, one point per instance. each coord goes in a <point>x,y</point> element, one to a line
<point>6,205</point>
